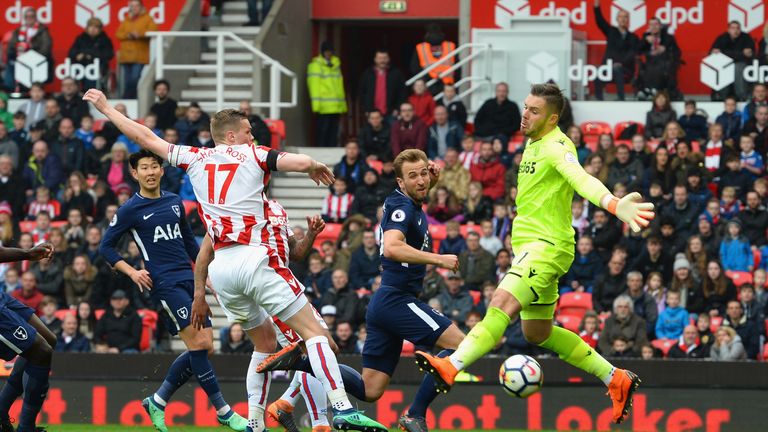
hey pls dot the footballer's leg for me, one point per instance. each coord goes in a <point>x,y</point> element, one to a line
<point>262,334</point>
<point>314,397</point>
<point>281,410</point>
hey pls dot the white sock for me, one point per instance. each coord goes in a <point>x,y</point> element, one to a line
<point>326,369</point>
<point>257,386</point>
<point>458,364</point>
<point>223,410</point>
<point>159,400</point>
<point>293,391</point>
<point>609,377</point>
<point>312,390</point>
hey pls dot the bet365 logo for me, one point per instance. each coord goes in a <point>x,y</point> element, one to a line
<point>527,168</point>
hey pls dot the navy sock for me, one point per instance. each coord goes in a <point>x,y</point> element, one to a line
<point>303,365</point>
<point>35,391</point>
<point>13,388</point>
<point>427,392</point>
<point>203,370</point>
<point>353,382</point>
<point>178,374</point>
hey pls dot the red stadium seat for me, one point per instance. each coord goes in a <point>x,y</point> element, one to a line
<point>664,345</point>
<point>437,232</point>
<point>465,229</point>
<point>98,124</point>
<point>476,296</point>
<point>189,206</point>
<point>595,128</point>
<point>715,323</point>
<point>515,142</point>
<point>331,232</point>
<point>277,128</point>
<point>148,327</point>
<point>603,316</point>
<point>98,313</point>
<point>765,352</point>
<point>766,326</point>
<point>570,322</point>
<point>739,278</point>
<point>695,146</point>
<point>756,258</point>
<point>575,303</point>
<point>376,165</point>
<point>591,142</point>
<point>62,313</point>
<point>620,126</point>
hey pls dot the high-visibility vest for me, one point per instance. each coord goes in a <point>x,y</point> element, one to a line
<point>326,86</point>
<point>426,58</point>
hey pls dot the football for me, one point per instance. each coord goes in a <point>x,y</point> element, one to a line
<point>521,376</point>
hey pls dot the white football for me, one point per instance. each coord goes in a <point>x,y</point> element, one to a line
<point>521,376</point>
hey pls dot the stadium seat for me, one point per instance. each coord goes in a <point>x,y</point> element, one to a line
<point>437,232</point>
<point>591,142</point>
<point>98,124</point>
<point>664,345</point>
<point>62,313</point>
<point>570,322</point>
<point>575,303</point>
<point>148,327</point>
<point>189,206</point>
<point>756,259</point>
<point>620,126</point>
<point>476,296</point>
<point>376,165</point>
<point>515,142</point>
<point>29,226</point>
<point>766,326</point>
<point>739,278</point>
<point>765,352</point>
<point>695,146</point>
<point>331,232</point>
<point>465,229</point>
<point>603,316</point>
<point>595,128</point>
<point>715,323</point>
<point>408,349</point>
<point>277,128</point>
<point>98,313</point>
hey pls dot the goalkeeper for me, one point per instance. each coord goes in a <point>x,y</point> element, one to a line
<point>543,246</point>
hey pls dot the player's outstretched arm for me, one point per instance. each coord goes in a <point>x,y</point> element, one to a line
<point>200,309</point>
<point>317,171</point>
<point>396,249</point>
<point>300,249</point>
<point>37,253</point>
<point>136,132</point>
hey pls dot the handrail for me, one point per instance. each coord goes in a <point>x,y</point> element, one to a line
<point>276,68</point>
<point>471,89</point>
<point>449,57</point>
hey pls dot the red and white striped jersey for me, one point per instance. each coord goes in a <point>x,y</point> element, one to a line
<point>336,208</point>
<point>229,183</point>
<point>278,231</point>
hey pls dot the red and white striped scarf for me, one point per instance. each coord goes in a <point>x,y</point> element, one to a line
<point>712,155</point>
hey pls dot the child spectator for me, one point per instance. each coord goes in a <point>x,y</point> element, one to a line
<point>43,203</point>
<point>703,323</point>
<point>673,319</point>
<point>453,243</point>
<point>18,133</point>
<point>48,308</point>
<point>694,124</point>
<point>734,177</point>
<point>338,203</point>
<point>444,207</point>
<point>502,225</point>
<point>589,329</point>
<point>468,155</point>
<point>620,348</point>
<point>579,218</point>
<point>457,112</point>
<point>42,228</point>
<point>759,280</point>
<point>751,161</point>
<point>423,102</point>
<point>488,240</point>
<point>85,133</point>
<point>730,206</point>
<point>735,252</point>
<point>655,288</point>
<point>647,352</point>
<point>78,280</point>
<point>585,268</point>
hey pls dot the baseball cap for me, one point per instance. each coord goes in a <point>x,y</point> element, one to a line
<point>328,310</point>
<point>119,294</point>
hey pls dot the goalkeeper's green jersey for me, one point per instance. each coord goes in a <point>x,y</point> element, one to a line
<point>547,177</point>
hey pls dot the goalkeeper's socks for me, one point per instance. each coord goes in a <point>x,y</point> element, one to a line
<point>13,388</point>
<point>178,374</point>
<point>572,349</point>
<point>203,370</point>
<point>35,391</point>
<point>427,392</point>
<point>481,340</point>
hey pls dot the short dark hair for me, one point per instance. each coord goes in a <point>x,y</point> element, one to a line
<point>551,94</point>
<point>134,158</point>
<point>161,82</point>
<point>21,115</point>
<point>690,102</point>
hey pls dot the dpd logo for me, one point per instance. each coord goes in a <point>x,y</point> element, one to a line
<point>586,73</point>
<point>675,16</point>
<point>87,9</point>
<point>157,13</point>
<point>635,8</point>
<point>77,71</point>
<point>717,71</point>
<point>31,67</point>
<point>506,9</point>
<point>749,13</point>
<point>15,13</point>
<point>542,67</point>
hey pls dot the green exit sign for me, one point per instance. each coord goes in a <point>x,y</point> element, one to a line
<point>393,6</point>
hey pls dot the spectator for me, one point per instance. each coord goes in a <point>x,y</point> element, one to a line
<point>488,240</point>
<point>698,192</point>
<point>8,147</point>
<point>433,285</point>
<point>682,211</point>
<point>751,161</point>
<point>620,348</point>
<point>86,320</point>
<point>727,346</point>
<point>85,132</point>
<point>71,103</point>
<point>644,305</point>
<point>691,297</point>
<point>457,112</point>
<point>49,277</point>
<point>352,166</point>
<point>165,106</point>
<point>326,90</point>
<point>201,138</point>
<point>91,45</point>
<point>648,352</point>
<point>259,128</point>
<point>48,308</point>
<point>256,15</point>
<point>468,155</point>
<point>188,125</point>
<point>423,103</point>
<point>489,172</point>
<point>69,148</point>
<point>693,124</point>
<point>42,228</point>
<point>453,176</point>
<point>70,340</point>
<point>689,346</point>
<point>134,46</point>
<point>29,294</point>
<point>502,224</point>
<point>498,117</point>
<point>31,35</point>
<point>365,262</point>
<point>453,243</point>
<point>34,108</point>
<point>349,307</point>
<point>235,341</point>
<point>368,196</point>
<point>625,170</point>
<point>337,206</point>
<point>477,206</point>
<point>730,120</point>
<point>741,49</point>
<point>443,207</point>
<point>746,329</point>
<point>757,128</point>
<point>696,256</point>
<point>409,131</point>
<point>78,280</point>
<point>660,114</point>
<point>589,328</point>
<point>476,264</point>
<point>115,170</point>
<point>50,122</point>
<point>473,318</point>
<point>622,47</point>
<point>74,229</point>
<point>443,134</point>
<point>754,219</point>
<point>6,117</point>
<point>623,322</point>
<point>577,137</point>
<point>672,319</point>
<point>703,324</point>
<point>95,156</point>
<point>455,302</point>
<point>119,329</point>
<point>656,289</point>
<point>382,87</point>
<point>318,279</point>
<point>715,151</point>
<point>585,268</point>
<point>662,60</point>
<point>604,232</point>
<point>12,186</point>
<point>735,251</point>
<point>76,195</point>
<point>345,338</point>
<point>660,172</point>
<point>734,184</point>
<point>374,137</point>
<point>749,304</point>
<point>759,97</point>
<point>332,258</point>
<point>12,281</point>
<point>503,264</point>
<point>609,285</point>
<point>18,133</point>
<point>362,335</point>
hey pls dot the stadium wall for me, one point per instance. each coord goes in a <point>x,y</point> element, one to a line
<point>675,396</point>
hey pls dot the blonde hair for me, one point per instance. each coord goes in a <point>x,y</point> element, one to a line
<point>224,120</point>
<point>411,156</point>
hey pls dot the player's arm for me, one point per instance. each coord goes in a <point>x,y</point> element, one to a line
<point>300,249</point>
<point>37,253</point>
<point>200,309</point>
<point>120,224</point>
<point>293,162</point>
<point>396,249</point>
<point>630,209</point>
<point>136,132</point>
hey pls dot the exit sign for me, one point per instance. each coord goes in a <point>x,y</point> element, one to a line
<point>393,6</point>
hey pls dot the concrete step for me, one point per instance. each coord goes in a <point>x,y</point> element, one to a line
<point>299,216</point>
<point>234,18</point>
<point>241,31</point>
<point>298,181</point>
<point>229,57</point>
<point>300,203</point>
<point>210,95</point>
<point>232,70</point>
<point>281,193</point>
<point>228,81</point>
<point>232,45</point>
<point>210,106</point>
<point>235,6</point>
<point>327,155</point>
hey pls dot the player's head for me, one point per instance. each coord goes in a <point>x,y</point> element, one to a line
<point>231,127</point>
<point>541,110</point>
<point>412,172</point>
<point>147,169</point>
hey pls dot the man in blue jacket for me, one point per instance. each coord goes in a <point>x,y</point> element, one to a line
<point>443,134</point>
<point>44,168</point>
